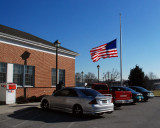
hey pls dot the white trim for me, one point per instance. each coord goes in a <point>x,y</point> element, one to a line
<point>28,86</point>
<point>19,86</point>
<point>16,43</point>
<point>9,73</point>
<point>36,43</point>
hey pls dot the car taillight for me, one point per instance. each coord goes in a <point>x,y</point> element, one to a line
<point>93,102</point>
<point>111,100</point>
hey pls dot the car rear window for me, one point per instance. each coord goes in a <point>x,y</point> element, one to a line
<point>129,89</point>
<point>101,87</point>
<point>117,89</point>
<point>142,89</point>
<point>90,92</point>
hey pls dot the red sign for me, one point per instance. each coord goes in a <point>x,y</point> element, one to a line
<point>12,86</point>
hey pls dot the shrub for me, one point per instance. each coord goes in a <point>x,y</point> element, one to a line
<point>21,100</point>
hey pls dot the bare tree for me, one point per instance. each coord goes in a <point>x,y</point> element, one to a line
<point>90,78</point>
<point>78,77</point>
<point>115,74</point>
<point>151,76</point>
<point>110,76</point>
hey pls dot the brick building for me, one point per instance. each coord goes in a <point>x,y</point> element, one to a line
<point>40,71</point>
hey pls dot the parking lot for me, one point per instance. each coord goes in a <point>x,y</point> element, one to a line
<point>145,114</point>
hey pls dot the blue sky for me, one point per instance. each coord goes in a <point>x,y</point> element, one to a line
<point>81,25</point>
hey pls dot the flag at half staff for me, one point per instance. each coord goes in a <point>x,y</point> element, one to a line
<point>104,51</point>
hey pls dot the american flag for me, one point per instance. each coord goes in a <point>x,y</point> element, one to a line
<point>104,51</point>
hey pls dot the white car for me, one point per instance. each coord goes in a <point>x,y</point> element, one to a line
<point>78,100</point>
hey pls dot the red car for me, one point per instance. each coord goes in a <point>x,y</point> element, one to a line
<point>119,97</point>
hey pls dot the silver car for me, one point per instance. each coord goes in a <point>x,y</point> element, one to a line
<point>78,100</point>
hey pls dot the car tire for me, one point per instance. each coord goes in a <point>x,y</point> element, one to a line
<point>109,112</point>
<point>134,101</point>
<point>145,100</point>
<point>118,105</point>
<point>45,105</point>
<point>99,114</point>
<point>77,110</point>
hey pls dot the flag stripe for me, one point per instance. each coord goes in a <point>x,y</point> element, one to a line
<point>104,51</point>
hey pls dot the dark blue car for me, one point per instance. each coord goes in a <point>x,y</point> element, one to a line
<point>136,96</point>
<point>146,94</point>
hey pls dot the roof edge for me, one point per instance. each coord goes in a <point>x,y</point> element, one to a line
<point>39,44</point>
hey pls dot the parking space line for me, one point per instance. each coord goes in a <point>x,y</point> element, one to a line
<point>70,125</point>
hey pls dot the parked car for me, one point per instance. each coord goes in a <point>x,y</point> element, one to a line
<point>146,94</point>
<point>78,100</point>
<point>136,96</point>
<point>119,97</point>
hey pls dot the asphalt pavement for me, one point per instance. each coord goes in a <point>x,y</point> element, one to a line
<point>11,108</point>
<point>141,115</point>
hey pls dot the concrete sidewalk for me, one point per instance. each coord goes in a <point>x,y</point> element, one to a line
<point>15,107</point>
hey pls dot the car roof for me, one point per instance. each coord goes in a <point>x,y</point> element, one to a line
<point>118,86</point>
<point>76,88</point>
<point>136,86</point>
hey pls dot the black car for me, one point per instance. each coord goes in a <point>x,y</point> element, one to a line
<point>146,94</point>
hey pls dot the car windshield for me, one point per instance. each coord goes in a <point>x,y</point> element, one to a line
<point>101,87</point>
<point>90,92</point>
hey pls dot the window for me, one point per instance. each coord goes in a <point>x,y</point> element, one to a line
<point>66,93</point>
<point>53,76</point>
<point>18,75</point>
<point>3,72</point>
<point>29,76</point>
<point>61,76</point>
<point>101,87</point>
<point>89,92</point>
<point>119,89</point>
<point>73,93</point>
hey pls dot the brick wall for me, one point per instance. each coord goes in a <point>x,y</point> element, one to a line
<point>43,63</point>
<point>37,91</point>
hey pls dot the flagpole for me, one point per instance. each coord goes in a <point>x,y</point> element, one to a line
<point>121,52</point>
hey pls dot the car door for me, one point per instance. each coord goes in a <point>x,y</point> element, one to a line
<point>58,99</point>
<point>71,99</point>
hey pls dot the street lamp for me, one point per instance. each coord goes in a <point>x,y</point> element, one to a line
<point>98,71</point>
<point>82,76</point>
<point>24,57</point>
<point>57,45</point>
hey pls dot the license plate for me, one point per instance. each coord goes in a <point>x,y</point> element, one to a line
<point>123,95</point>
<point>104,101</point>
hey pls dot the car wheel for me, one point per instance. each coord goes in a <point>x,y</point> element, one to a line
<point>110,112</point>
<point>77,110</point>
<point>99,114</point>
<point>45,105</point>
<point>134,101</point>
<point>145,100</point>
<point>118,105</point>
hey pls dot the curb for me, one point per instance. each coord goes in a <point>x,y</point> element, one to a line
<point>15,107</point>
